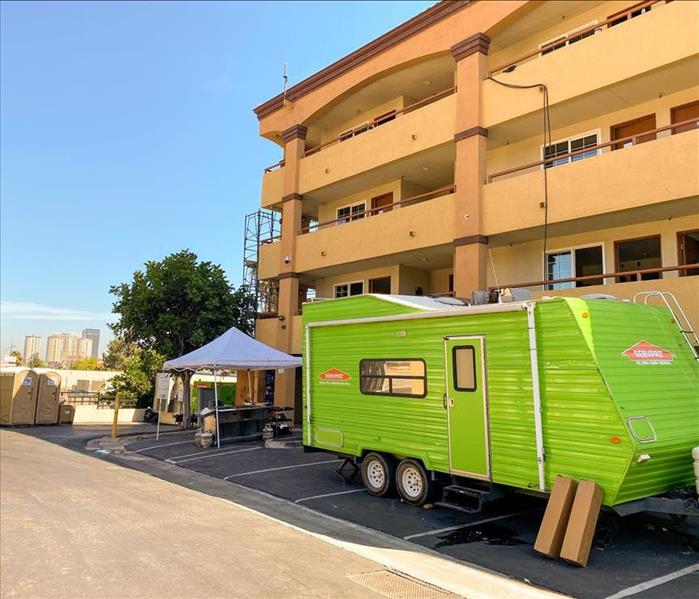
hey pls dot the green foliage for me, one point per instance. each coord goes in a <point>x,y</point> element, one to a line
<point>86,364</point>
<point>135,384</point>
<point>36,362</point>
<point>17,355</point>
<point>178,304</point>
<point>118,351</point>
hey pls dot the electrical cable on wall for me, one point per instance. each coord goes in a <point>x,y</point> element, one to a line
<point>547,144</point>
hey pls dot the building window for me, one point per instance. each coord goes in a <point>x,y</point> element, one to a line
<point>347,289</point>
<point>627,17</point>
<point>684,113</point>
<point>573,144</point>
<point>638,254</point>
<point>380,285</point>
<point>688,250</point>
<point>464,366</point>
<point>352,212</point>
<point>562,42</point>
<point>631,128</point>
<point>402,377</point>
<point>575,262</point>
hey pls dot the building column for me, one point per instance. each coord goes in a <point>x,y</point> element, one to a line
<point>470,245</point>
<point>288,302</point>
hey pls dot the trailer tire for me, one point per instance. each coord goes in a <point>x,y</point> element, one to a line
<point>413,483</point>
<point>378,474</point>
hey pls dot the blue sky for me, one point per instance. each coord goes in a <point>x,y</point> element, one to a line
<point>127,133</point>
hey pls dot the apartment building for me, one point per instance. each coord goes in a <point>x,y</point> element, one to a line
<point>551,146</point>
<point>94,336</point>
<point>32,344</point>
<point>65,348</point>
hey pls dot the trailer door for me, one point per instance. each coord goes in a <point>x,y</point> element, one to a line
<point>465,400</point>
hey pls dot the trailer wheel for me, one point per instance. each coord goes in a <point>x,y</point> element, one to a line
<point>378,474</point>
<point>413,483</point>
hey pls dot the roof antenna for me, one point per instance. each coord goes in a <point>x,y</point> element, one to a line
<point>286,103</point>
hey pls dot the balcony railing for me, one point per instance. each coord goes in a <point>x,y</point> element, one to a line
<point>638,274</point>
<point>275,166</point>
<point>381,120</point>
<point>617,143</point>
<point>387,208</point>
<point>580,34</point>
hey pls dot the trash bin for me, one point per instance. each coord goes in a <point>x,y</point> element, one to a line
<point>18,390</point>
<point>66,413</point>
<point>48,398</point>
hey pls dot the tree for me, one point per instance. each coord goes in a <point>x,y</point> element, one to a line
<point>178,304</point>
<point>136,381</point>
<point>118,351</point>
<point>36,362</point>
<point>17,355</point>
<point>89,363</point>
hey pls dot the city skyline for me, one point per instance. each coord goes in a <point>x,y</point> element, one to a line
<point>81,345</point>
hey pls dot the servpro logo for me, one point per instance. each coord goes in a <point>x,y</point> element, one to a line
<point>334,375</point>
<point>647,353</point>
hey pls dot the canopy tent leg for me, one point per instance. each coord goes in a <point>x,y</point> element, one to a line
<point>218,432</point>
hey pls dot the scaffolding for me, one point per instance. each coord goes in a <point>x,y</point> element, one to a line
<point>261,227</point>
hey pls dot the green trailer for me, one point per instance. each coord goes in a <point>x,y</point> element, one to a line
<point>433,396</point>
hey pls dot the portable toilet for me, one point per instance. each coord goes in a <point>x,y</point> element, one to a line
<point>47,398</point>
<point>18,390</point>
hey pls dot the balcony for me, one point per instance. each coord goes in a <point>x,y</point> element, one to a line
<point>684,288</point>
<point>584,68</point>
<point>640,176</point>
<point>269,259</point>
<point>414,130</point>
<point>272,185</point>
<point>412,224</point>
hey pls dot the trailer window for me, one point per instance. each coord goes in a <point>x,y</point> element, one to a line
<point>464,367</point>
<point>403,378</point>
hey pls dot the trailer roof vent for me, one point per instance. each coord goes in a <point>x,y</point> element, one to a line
<point>450,301</point>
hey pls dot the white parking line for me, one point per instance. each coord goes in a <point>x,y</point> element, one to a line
<point>279,468</point>
<point>460,526</point>
<point>639,588</point>
<point>174,458</point>
<point>329,495</point>
<point>211,455</point>
<point>163,445</point>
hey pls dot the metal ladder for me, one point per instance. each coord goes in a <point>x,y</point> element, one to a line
<point>678,314</point>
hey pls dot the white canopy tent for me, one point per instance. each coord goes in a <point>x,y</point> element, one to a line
<point>234,350</point>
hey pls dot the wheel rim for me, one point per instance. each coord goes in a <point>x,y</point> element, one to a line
<point>375,474</point>
<point>411,482</point>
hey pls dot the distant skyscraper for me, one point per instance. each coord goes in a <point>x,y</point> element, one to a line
<point>84,347</point>
<point>31,347</point>
<point>94,335</point>
<point>53,349</point>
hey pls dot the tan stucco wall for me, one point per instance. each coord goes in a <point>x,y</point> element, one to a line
<point>365,116</point>
<point>477,17</point>
<point>328,211</point>
<point>525,151</point>
<point>92,415</point>
<point>573,73</point>
<point>408,134</point>
<point>647,174</point>
<point>523,262</point>
<point>379,235</point>
<point>439,280</point>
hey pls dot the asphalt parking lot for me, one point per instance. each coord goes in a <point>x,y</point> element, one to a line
<point>628,554</point>
<point>641,556</point>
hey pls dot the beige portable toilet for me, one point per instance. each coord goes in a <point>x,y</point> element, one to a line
<point>47,398</point>
<point>18,391</point>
